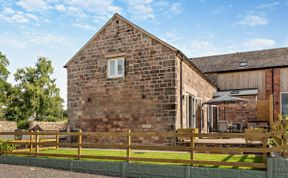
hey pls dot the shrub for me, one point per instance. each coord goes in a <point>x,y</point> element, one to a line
<point>23,124</point>
<point>6,147</point>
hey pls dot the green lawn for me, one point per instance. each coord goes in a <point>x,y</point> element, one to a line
<point>166,155</point>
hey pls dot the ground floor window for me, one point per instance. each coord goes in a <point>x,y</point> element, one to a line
<point>284,104</point>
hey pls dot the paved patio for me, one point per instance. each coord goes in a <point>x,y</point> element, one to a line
<point>230,141</point>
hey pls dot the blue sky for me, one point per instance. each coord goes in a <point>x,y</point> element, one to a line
<point>58,29</point>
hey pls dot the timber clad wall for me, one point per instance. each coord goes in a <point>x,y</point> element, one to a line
<point>267,81</point>
<point>240,80</point>
<point>145,99</point>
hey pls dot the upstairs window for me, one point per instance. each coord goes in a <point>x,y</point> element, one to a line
<point>116,68</point>
<point>242,64</point>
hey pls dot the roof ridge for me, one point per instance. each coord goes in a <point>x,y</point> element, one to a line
<point>240,52</point>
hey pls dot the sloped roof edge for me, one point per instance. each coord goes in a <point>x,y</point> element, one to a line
<point>259,59</point>
<point>127,21</point>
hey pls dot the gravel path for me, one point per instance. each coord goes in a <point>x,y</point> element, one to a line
<point>11,171</point>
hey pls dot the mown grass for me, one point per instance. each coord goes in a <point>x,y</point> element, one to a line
<point>166,155</point>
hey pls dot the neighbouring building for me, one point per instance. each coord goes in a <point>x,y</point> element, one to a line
<point>48,126</point>
<point>125,78</point>
<point>8,126</point>
<point>259,76</point>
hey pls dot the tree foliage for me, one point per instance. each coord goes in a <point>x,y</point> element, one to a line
<point>4,85</point>
<point>35,96</point>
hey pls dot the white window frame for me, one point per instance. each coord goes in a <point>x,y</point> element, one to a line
<point>116,75</point>
<point>281,101</point>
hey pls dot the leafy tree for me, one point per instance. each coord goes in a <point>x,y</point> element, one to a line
<point>35,96</point>
<point>4,85</point>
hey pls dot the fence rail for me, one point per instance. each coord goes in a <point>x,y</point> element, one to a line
<point>34,144</point>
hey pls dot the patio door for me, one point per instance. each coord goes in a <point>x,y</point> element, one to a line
<point>193,111</point>
<point>212,117</point>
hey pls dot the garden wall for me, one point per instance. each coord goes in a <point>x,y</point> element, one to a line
<point>277,168</point>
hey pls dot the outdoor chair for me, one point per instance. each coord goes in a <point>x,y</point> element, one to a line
<point>223,126</point>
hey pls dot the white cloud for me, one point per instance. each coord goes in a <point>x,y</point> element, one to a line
<point>11,42</point>
<point>271,5</point>
<point>60,7</point>
<point>34,5</point>
<point>259,43</point>
<point>83,26</point>
<point>29,39</point>
<point>16,17</point>
<point>195,47</point>
<point>175,8</point>
<point>252,20</point>
<point>103,7</point>
<point>41,38</point>
<point>141,9</point>
<point>151,9</point>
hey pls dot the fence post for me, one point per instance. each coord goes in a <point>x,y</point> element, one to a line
<point>31,141</point>
<point>284,138</point>
<point>57,139</point>
<point>36,143</point>
<point>128,152</point>
<point>192,145</point>
<point>264,145</point>
<point>79,143</point>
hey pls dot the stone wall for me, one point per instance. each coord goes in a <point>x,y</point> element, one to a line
<point>146,99</point>
<point>195,85</point>
<point>143,100</point>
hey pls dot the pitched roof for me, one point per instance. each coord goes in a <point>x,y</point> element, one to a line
<point>243,60</point>
<point>47,126</point>
<point>8,126</point>
<point>116,15</point>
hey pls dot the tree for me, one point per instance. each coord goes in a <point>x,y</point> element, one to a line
<point>35,96</point>
<point>4,85</point>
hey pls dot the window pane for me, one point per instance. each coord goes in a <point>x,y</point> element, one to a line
<point>112,66</point>
<point>284,103</point>
<point>120,67</point>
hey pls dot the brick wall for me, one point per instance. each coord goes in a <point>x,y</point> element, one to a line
<point>143,100</point>
<point>273,81</point>
<point>239,112</point>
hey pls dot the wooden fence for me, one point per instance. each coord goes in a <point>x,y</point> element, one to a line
<point>34,145</point>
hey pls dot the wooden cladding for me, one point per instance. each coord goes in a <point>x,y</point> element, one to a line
<point>284,79</point>
<point>265,110</point>
<point>240,80</point>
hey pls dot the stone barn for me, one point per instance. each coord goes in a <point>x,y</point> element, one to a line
<point>126,78</point>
